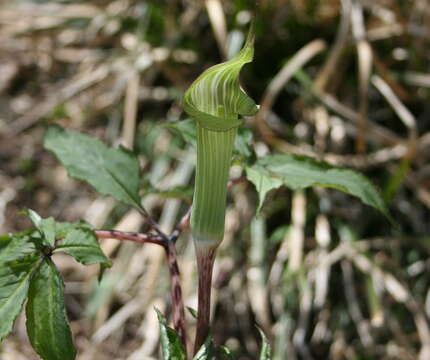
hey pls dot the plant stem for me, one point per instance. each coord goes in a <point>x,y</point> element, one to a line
<point>131,236</point>
<point>214,151</point>
<point>176,294</point>
<point>205,264</point>
<point>175,283</point>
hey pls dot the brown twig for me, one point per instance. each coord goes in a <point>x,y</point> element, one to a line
<point>175,283</point>
<point>176,293</point>
<point>131,236</point>
<point>152,223</point>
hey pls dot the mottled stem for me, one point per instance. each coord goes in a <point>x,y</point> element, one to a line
<point>131,236</point>
<point>205,262</point>
<point>176,293</point>
<point>175,283</point>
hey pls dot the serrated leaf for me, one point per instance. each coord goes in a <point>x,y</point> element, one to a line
<point>82,244</point>
<point>171,344</point>
<point>20,245</point>
<point>111,171</point>
<point>47,325</point>
<point>45,226</point>
<point>14,284</point>
<point>299,172</point>
<point>63,228</point>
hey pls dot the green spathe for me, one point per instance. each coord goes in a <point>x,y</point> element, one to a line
<point>216,101</point>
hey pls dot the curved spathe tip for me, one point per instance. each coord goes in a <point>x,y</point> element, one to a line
<point>216,99</point>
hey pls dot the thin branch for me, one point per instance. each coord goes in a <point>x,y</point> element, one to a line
<point>152,223</point>
<point>175,283</point>
<point>176,293</point>
<point>131,236</point>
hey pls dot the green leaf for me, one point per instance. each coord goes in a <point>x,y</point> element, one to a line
<point>14,283</point>
<point>265,352</point>
<point>192,311</point>
<point>299,172</point>
<point>209,351</point>
<point>45,226</point>
<point>82,244</point>
<point>206,352</point>
<point>186,129</point>
<point>242,143</point>
<point>111,171</point>
<point>20,245</point>
<point>47,325</point>
<point>171,344</point>
<point>215,98</point>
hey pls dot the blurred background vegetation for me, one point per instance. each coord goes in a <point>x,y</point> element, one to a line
<point>342,81</point>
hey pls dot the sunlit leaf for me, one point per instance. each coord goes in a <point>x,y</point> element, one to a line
<point>82,244</point>
<point>46,227</point>
<point>20,245</point>
<point>14,284</point>
<point>171,344</point>
<point>47,324</point>
<point>299,172</point>
<point>206,351</point>
<point>111,171</point>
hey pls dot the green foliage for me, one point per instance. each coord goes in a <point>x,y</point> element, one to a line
<point>82,244</point>
<point>47,325</point>
<point>27,271</point>
<point>210,351</point>
<point>14,283</point>
<point>206,352</point>
<point>299,172</point>
<point>46,227</point>
<point>171,344</point>
<point>113,172</point>
<point>16,246</point>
